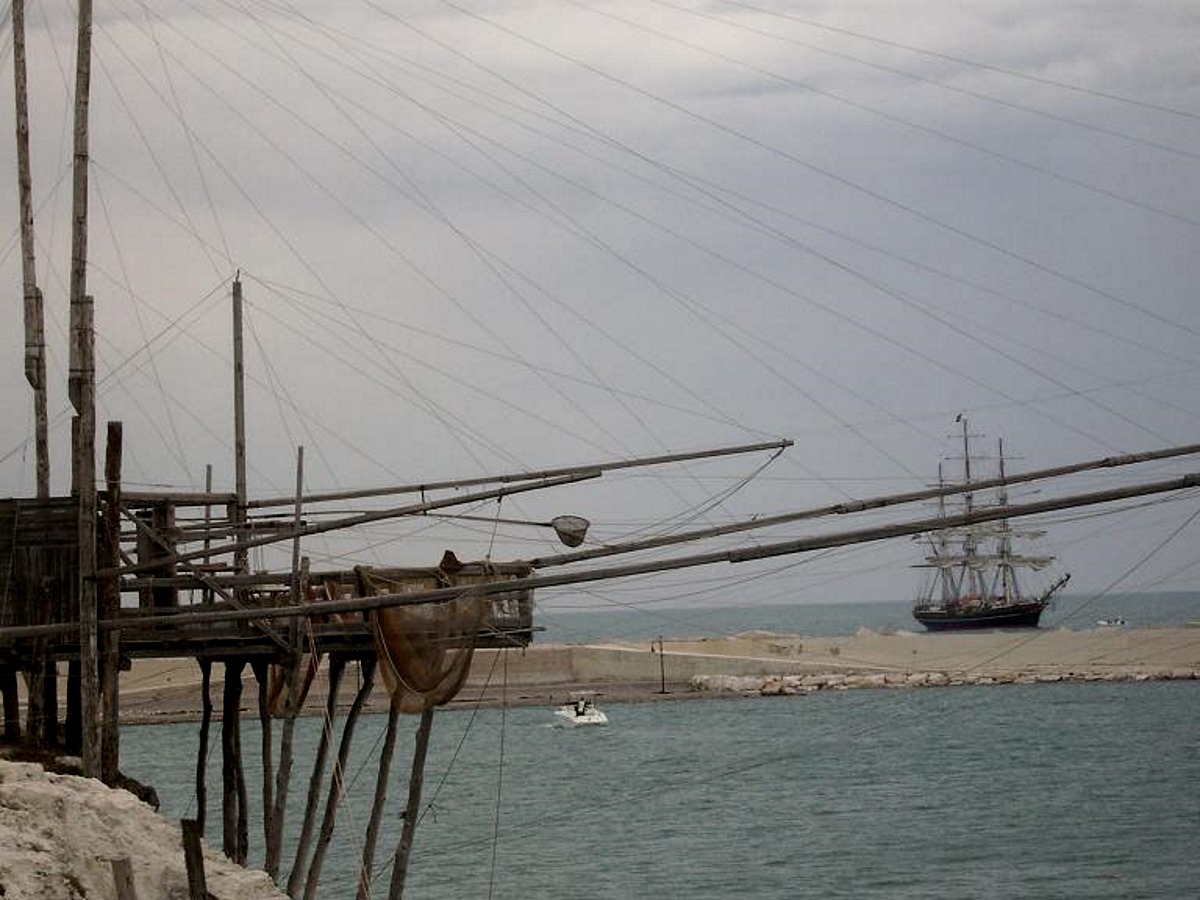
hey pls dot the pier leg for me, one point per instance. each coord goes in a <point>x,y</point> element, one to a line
<point>337,665</point>
<point>381,786</point>
<point>284,775</point>
<point>416,781</point>
<point>262,673</point>
<point>206,707</point>
<point>337,784</point>
<point>235,834</point>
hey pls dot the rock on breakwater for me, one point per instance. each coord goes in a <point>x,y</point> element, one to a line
<point>788,685</point>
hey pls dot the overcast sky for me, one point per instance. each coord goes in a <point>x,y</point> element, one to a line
<point>486,237</point>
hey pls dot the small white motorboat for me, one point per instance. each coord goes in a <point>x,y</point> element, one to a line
<point>579,712</point>
<point>1110,623</point>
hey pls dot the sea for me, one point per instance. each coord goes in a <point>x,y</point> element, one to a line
<point>1084,791</point>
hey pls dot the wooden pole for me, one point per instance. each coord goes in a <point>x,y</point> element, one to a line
<point>35,328</point>
<point>297,516</point>
<point>82,388</point>
<point>337,784</point>
<point>663,669</point>
<point>381,786</point>
<point>193,857</point>
<point>283,775</point>
<point>360,519</point>
<point>206,711</point>
<point>412,809</point>
<point>122,871</point>
<point>533,475</point>
<point>337,664</point>
<point>110,671</point>
<point>35,374</point>
<point>234,831</point>
<point>262,674</point>
<point>206,595</point>
<point>241,559</point>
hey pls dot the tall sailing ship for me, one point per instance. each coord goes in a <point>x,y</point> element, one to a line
<point>976,579</point>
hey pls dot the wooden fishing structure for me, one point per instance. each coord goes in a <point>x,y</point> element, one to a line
<point>103,576</point>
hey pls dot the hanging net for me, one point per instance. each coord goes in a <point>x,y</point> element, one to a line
<point>424,650</point>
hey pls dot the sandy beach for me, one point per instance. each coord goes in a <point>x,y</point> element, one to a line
<point>169,690</point>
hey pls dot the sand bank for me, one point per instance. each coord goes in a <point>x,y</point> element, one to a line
<point>164,690</point>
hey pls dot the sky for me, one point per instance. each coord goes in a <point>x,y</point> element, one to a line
<point>481,238</point>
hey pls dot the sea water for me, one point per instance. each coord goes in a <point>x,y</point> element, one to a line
<point>1084,791</point>
<point>634,622</point>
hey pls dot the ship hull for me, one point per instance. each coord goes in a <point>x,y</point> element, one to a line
<point>1014,615</point>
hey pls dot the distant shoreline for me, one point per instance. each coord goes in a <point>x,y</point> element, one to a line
<point>165,691</point>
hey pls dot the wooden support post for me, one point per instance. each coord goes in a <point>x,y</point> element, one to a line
<point>206,708</point>
<point>73,722</point>
<point>35,328</point>
<point>337,784</point>
<point>337,665</point>
<point>123,878</point>
<point>193,857</point>
<point>412,810</point>
<point>241,558</point>
<point>262,674</point>
<point>82,390</point>
<point>283,776</point>
<point>110,594</point>
<point>49,689</point>
<point>235,835</point>
<point>35,375</point>
<point>365,873</point>
<point>12,708</point>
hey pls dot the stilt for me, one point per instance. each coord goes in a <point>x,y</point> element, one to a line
<point>413,809</point>
<point>337,665</point>
<point>262,673</point>
<point>235,834</point>
<point>381,785</point>
<point>337,784</point>
<point>206,710</point>
<point>283,776</point>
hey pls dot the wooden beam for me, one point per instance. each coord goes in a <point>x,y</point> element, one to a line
<point>534,475</point>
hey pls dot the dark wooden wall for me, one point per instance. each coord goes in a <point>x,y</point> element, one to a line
<point>39,561</point>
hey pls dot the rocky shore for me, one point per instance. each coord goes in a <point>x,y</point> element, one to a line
<point>60,836</point>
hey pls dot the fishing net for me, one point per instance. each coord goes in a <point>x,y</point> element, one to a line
<point>424,650</point>
<point>279,682</point>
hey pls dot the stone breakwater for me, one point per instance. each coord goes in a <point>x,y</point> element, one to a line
<point>789,685</point>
